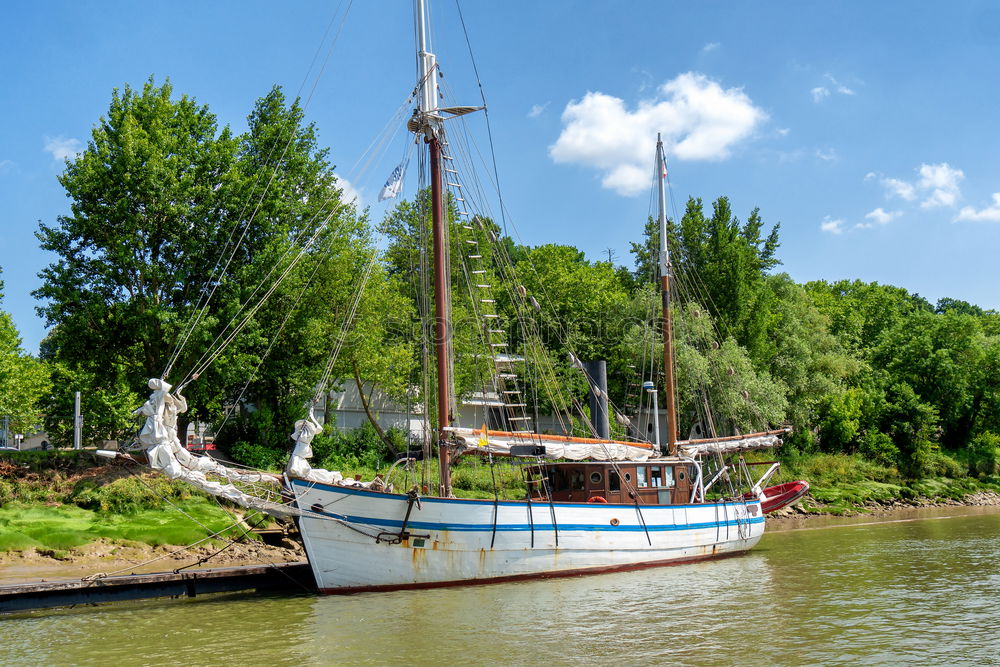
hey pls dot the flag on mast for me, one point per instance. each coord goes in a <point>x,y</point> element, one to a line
<point>394,185</point>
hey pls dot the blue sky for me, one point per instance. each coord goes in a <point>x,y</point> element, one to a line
<point>868,130</point>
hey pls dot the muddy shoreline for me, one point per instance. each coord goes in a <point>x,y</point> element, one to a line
<point>104,556</point>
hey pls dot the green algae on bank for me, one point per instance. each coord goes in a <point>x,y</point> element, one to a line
<point>63,527</point>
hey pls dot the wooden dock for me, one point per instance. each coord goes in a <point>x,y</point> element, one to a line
<point>292,577</point>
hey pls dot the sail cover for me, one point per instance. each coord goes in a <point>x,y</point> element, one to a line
<point>556,446</point>
<point>732,444</point>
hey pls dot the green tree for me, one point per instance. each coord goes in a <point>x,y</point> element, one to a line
<point>149,208</point>
<point>860,312</point>
<point>24,381</point>
<point>168,210</point>
<point>721,263</point>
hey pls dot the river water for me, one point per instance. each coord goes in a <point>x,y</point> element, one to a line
<point>923,591</point>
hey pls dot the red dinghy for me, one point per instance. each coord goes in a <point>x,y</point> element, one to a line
<point>782,495</point>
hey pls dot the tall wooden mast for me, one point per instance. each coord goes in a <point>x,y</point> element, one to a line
<point>429,124</point>
<point>665,275</point>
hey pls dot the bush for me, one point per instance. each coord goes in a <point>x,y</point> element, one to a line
<point>945,466</point>
<point>258,439</point>
<point>879,448</point>
<point>257,456</point>
<point>983,455</point>
<point>128,495</point>
<point>359,448</point>
<point>6,492</point>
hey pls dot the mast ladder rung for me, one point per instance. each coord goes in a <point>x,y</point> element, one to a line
<point>507,376</point>
<point>464,212</point>
<point>477,271</point>
<point>496,331</point>
<point>469,227</point>
<point>487,301</point>
<point>516,405</point>
<point>483,286</point>
<point>451,171</point>
<point>447,157</point>
<point>454,185</point>
<point>498,344</point>
<point>472,241</point>
<point>475,256</point>
<point>519,419</point>
<point>459,198</point>
<point>511,391</point>
<point>491,315</point>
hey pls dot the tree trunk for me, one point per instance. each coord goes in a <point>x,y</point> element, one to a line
<point>365,403</point>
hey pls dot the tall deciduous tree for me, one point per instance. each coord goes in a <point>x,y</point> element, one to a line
<point>722,264</point>
<point>24,381</point>
<point>150,204</point>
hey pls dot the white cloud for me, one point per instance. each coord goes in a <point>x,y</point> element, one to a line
<point>882,216</point>
<point>988,214</point>
<point>349,194</point>
<point>62,148</point>
<point>894,187</point>
<point>828,155</point>
<point>942,183</point>
<point>698,118</point>
<point>711,46</point>
<point>819,93</point>
<point>782,131</point>
<point>838,86</point>
<point>6,165</point>
<point>832,226</point>
<point>536,110</point>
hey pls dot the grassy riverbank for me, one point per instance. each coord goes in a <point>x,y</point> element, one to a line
<point>56,502</point>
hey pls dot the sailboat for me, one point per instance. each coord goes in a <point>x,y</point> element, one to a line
<point>592,505</point>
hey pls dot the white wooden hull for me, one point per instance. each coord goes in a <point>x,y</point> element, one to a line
<point>453,541</point>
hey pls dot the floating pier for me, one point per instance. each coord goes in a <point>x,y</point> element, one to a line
<point>296,577</point>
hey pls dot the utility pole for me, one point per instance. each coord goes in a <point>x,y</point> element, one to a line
<point>77,423</point>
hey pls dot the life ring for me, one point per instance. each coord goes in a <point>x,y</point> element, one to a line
<point>596,499</point>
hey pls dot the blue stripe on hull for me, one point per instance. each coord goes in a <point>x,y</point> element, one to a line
<point>539,527</point>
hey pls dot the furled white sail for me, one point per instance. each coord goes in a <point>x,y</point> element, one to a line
<point>556,447</point>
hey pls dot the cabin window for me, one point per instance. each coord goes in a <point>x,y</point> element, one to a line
<point>641,473</point>
<point>576,480</point>
<point>614,482</point>
<point>661,477</point>
<point>595,477</point>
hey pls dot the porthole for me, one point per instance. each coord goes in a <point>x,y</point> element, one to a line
<point>628,477</point>
<point>596,478</point>
<point>680,474</point>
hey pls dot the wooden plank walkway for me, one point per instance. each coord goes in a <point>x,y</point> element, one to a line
<point>294,577</point>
